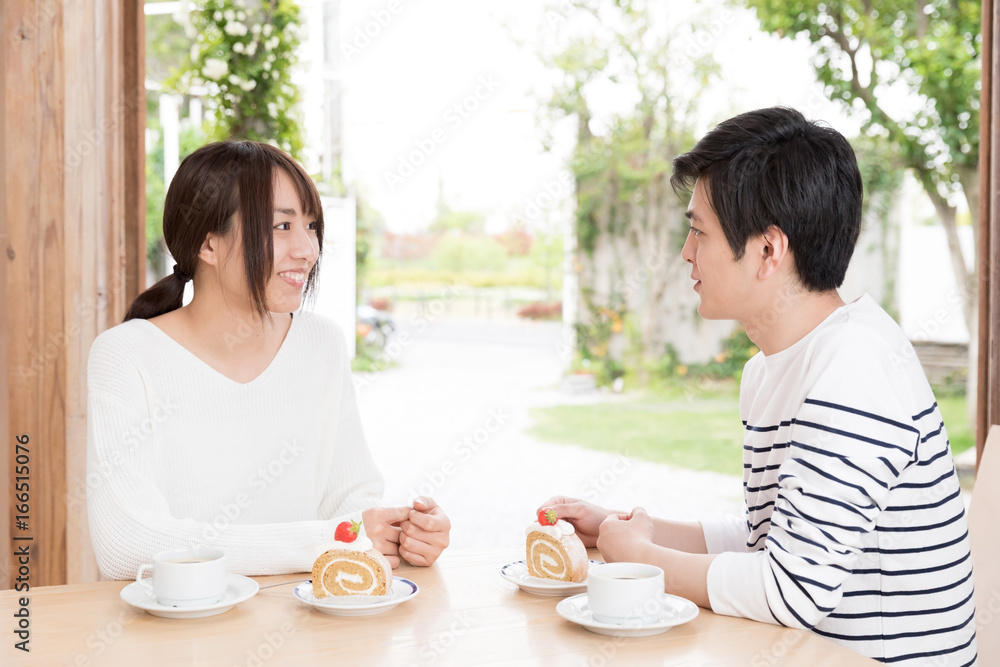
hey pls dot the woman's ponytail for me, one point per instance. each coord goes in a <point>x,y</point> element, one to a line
<point>163,297</point>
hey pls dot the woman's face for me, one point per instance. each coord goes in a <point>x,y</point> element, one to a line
<point>296,247</point>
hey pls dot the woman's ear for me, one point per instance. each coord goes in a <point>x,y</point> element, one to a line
<point>774,252</point>
<point>209,251</point>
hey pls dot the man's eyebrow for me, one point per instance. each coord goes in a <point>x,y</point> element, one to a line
<point>286,211</point>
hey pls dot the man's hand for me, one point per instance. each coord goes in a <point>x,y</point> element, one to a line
<point>585,517</point>
<point>623,537</point>
<point>382,527</point>
<point>424,533</point>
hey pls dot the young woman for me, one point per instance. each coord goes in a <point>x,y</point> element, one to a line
<point>232,421</point>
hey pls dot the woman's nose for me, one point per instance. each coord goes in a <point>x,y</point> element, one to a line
<point>306,245</point>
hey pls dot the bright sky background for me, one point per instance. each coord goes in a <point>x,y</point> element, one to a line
<point>432,54</point>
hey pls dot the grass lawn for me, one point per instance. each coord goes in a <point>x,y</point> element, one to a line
<point>959,429</point>
<point>687,426</point>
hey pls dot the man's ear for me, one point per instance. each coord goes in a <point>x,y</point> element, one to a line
<point>774,252</point>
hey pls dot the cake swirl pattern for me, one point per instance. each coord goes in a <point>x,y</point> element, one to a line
<point>553,550</point>
<point>547,558</point>
<point>343,572</point>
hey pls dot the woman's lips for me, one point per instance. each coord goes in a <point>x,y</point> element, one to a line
<point>293,278</point>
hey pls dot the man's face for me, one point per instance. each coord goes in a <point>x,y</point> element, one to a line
<point>724,284</point>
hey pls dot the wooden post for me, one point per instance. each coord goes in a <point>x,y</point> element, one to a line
<point>988,399</point>
<point>75,219</point>
<point>5,459</point>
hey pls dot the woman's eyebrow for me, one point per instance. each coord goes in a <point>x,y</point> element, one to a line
<point>286,211</point>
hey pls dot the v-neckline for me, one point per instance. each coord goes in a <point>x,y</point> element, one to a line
<point>217,372</point>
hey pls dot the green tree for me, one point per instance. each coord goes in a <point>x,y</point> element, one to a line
<point>625,207</point>
<point>469,222</point>
<point>930,47</point>
<point>244,53</point>
<point>882,174</point>
<point>469,253</point>
<point>370,226</point>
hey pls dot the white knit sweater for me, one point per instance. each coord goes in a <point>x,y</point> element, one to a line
<point>179,454</point>
<point>855,523</point>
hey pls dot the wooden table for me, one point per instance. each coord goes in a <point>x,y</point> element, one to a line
<point>465,614</point>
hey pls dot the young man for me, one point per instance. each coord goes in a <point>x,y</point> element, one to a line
<point>855,525</point>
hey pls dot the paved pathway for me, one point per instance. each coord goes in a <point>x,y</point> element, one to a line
<point>450,419</point>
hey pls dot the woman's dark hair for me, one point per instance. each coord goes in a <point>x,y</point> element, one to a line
<point>211,185</point>
<point>774,167</point>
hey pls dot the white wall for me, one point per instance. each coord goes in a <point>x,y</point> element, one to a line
<point>338,277</point>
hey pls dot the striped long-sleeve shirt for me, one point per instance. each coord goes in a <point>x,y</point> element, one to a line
<point>855,525</point>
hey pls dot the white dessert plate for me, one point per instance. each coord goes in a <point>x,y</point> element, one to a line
<point>358,605</point>
<point>517,573</point>
<point>238,589</point>
<point>676,611</point>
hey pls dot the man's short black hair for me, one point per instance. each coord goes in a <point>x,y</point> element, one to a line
<point>774,167</point>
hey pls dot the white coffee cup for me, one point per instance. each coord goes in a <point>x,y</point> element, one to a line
<point>187,577</point>
<point>625,593</point>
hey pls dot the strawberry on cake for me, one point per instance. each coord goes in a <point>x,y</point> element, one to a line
<point>553,549</point>
<point>353,567</point>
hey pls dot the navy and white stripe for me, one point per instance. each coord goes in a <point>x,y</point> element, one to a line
<point>855,522</point>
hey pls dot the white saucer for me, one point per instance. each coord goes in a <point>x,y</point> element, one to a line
<point>676,611</point>
<point>517,573</point>
<point>358,605</point>
<point>238,589</point>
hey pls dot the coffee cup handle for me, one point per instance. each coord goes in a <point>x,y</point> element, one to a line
<point>138,577</point>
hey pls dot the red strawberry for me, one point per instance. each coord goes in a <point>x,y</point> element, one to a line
<point>347,531</point>
<point>547,516</point>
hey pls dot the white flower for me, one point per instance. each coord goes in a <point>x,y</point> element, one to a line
<point>267,29</point>
<point>236,28</point>
<point>230,15</point>
<point>215,69</point>
<point>241,15</point>
<point>249,85</point>
<point>238,47</point>
<point>255,29</point>
<point>217,16</point>
<point>195,52</point>
<point>272,43</point>
<point>235,80</point>
<point>267,65</point>
<point>272,108</point>
<point>251,48</point>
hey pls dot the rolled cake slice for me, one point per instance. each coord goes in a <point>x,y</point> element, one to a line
<point>347,572</point>
<point>553,550</point>
<point>352,567</point>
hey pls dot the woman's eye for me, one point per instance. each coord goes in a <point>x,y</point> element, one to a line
<point>314,226</point>
<point>284,226</point>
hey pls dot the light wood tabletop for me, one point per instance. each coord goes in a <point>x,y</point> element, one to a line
<point>464,614</point>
